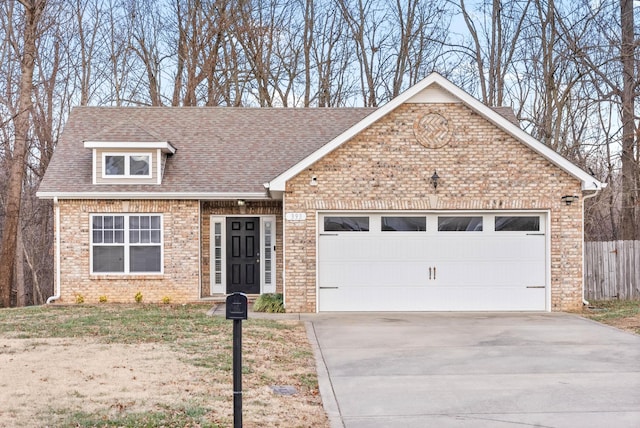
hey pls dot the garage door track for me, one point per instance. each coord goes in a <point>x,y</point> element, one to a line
<point>476,370</point>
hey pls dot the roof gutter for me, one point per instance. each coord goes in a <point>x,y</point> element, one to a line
<point>155,195</point>
<point>585,302</point>
<point>56,207</point>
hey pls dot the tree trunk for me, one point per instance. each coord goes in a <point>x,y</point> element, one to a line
<point>21,290</point>
<point>628,221</point>
<point>32,13</point>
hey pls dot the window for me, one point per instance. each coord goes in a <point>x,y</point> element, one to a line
<point>126,165</point>
<point>404,224</point>
<point>346,224</point>
<point>459,224</point>
<point>267,251</point>
<point>126,243</point>
<point>517,224</point>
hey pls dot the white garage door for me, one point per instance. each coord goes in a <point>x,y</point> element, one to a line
<point>432,262</point>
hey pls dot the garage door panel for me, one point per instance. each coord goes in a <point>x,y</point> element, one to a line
<point>431,270</point>
<point>489,273</point>
<point>366,274</point>
<point>367,248</point>
<point>430,299</point>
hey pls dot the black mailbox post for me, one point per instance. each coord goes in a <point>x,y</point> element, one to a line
<point>237,309</point>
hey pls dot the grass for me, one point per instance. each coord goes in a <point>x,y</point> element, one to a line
<point>168,417</point>
<point>269,302</point>
<point>623,314</point>
<point>113,323</point>
<point>274,352</point>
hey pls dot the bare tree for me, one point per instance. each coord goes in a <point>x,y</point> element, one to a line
<point>366,21</point>
<point>630,229</point>
<point>419,33</point>
<point>31,15</point>
<point>331,57</point>
<point>495,31</point>
<point>606,51</point>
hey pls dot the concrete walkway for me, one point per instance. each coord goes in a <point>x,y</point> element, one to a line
<point>475,370</point>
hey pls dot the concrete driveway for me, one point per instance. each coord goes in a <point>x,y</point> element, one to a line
<point>475,370</point>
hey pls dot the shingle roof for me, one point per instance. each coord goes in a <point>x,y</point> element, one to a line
<point>225,150</point>
<point>507,113</point>
<point>220,149</point>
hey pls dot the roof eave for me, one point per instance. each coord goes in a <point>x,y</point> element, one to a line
<point>156,195</point>
<point>165,146</point>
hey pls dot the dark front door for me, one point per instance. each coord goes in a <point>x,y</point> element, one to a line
<point>243,255</point>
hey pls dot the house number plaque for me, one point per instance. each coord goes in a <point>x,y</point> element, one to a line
<point>296,216</point>
<point>432,130</point>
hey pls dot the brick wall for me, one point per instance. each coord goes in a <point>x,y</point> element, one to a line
<point>385,168</point>
<point>181,253</point>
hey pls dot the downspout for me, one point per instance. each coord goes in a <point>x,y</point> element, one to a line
<point>585,302</point>
<point>56,208</point>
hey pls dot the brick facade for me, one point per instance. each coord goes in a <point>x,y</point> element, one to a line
<point>386,168</point>
<point>181,276</point>
<point>482,168</point>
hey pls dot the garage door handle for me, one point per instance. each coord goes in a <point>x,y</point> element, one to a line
<point>434,272</point>
<point>535,234</point>
<point>328,288</point>
<point>429,272</point>
<point>536,286</point>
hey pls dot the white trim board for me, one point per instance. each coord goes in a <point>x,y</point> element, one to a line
<point>165,146</point>
<point>155,195</point>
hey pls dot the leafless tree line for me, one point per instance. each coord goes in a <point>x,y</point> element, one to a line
<point>569,69</point>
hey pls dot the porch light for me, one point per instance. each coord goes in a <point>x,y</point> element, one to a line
<point>569,199</point>
<point>434,179</point>
<point>241,202</point>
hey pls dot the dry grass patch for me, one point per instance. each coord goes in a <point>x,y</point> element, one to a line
<point>622,314</point>
<point>150,365</point>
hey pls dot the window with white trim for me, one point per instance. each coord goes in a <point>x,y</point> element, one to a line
<point>268,259</point>
<point>119,165</point>
<point>267,252</point>
<point>126,243</point>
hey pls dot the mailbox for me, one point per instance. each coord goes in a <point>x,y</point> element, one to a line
<point>237,306</point>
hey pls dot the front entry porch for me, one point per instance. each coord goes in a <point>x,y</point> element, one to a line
<point>240,248</point>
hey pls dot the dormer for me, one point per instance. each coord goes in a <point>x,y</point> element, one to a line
<point>128,154</point>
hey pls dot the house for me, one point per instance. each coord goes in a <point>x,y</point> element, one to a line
<point>432,202</point>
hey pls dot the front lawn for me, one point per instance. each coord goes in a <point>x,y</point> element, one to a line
<point>150,365</point>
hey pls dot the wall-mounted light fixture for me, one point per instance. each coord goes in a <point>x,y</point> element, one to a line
<point>434,179</point>
<point>241,202</point>
<point>569,199</point>
<point>314,181</point>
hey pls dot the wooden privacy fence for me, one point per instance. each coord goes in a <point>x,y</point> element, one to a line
<point>612,270</point>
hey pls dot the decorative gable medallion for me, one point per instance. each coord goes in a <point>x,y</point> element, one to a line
<point>432,130</point>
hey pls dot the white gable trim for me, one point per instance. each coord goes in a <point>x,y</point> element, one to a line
<point>414,93</point>
<point>165,146</point>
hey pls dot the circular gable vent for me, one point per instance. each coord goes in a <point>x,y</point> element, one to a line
<point>432,130</point>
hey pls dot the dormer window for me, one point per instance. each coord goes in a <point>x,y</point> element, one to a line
<point>122,165</point>
<point>133,162</point>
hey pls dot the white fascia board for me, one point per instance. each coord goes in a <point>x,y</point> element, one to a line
<point>165,146</point>
<point>154,195</point>
<point>588,181</point>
